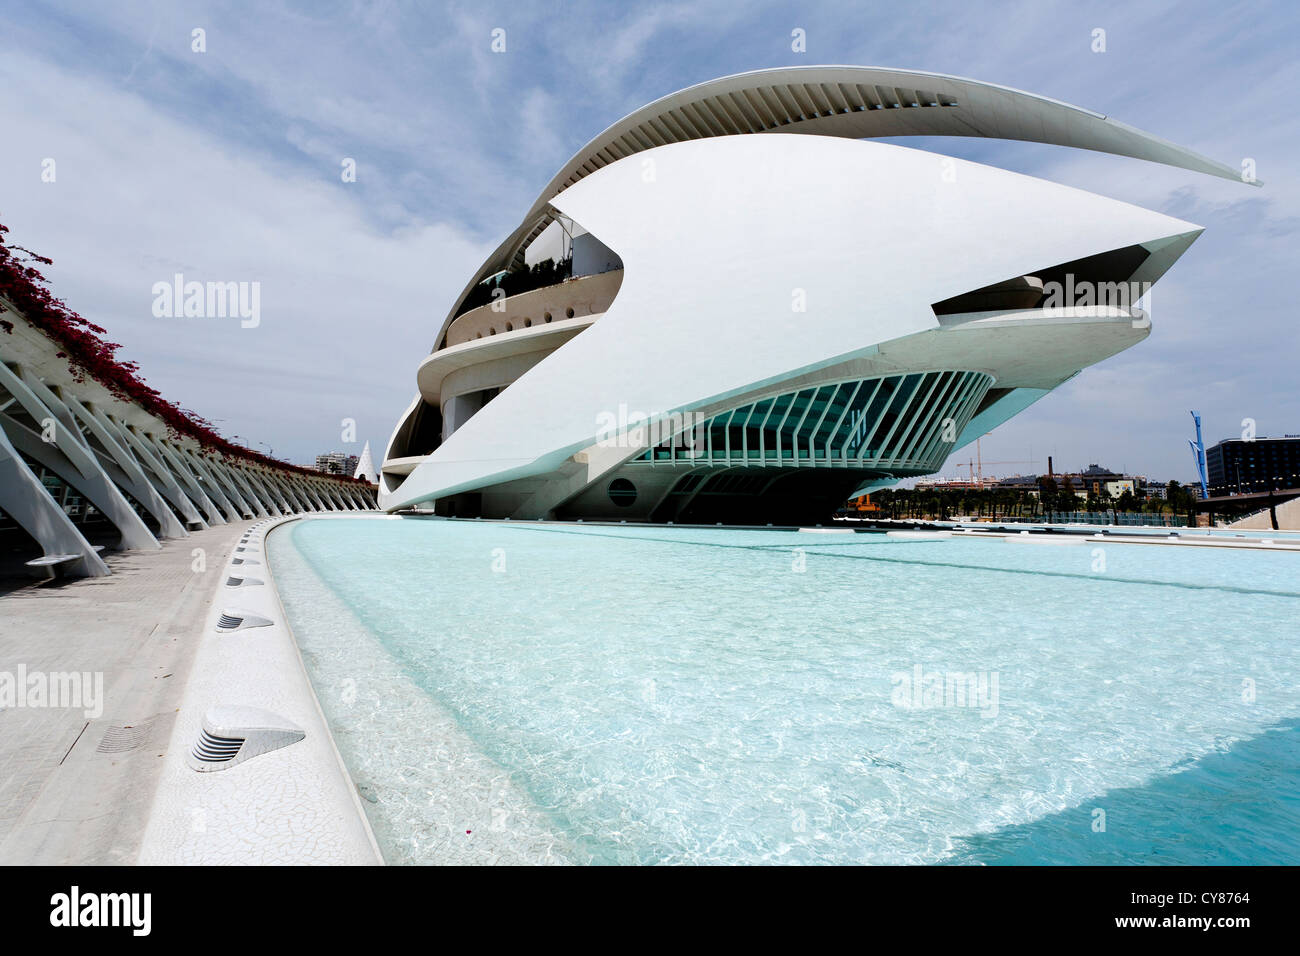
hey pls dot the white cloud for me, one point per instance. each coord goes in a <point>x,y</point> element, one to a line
<point>347,310</point>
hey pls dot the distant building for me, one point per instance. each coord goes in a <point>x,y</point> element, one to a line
<point>1152,489</point>
<point>1028,483</point>
<point>1095,480</point>
<point>931,483</point>
<point>1237,466</point>
<point>337,463</point>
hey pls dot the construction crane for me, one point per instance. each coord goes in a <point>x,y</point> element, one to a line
<point>978,463</point>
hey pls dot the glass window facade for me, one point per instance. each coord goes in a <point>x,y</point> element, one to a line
<point>900,422</point>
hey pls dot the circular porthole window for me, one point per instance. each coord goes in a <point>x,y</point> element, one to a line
<point>547,317</point>
<point>622,492</point>
<point>569,313</point>
<point>528,323</point>
<point>510,326</point>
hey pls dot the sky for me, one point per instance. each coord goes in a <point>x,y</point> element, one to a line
<point>226,164</point>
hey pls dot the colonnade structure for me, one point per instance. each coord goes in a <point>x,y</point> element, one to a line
<point>74,442</point>
<point>734,305</point>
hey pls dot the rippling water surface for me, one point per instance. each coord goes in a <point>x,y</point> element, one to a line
<point>520,692</point>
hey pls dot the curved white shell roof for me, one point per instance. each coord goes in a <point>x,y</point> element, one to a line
<point>867,102</point>
<point>856,102</point>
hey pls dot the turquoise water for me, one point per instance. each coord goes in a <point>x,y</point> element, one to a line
<point>691,695</point>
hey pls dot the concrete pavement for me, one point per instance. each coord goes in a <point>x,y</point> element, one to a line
<point>76,786</point>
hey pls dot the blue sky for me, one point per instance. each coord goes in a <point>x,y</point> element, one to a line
<point>225,165</point>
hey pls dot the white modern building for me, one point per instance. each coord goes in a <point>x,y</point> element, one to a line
<point>759,311</point>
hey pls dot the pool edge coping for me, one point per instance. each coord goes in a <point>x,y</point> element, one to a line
<point>320,781</point>
<point>311,688</point>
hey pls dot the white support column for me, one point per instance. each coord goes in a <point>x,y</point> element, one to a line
<point>215,472</point>
<point>186,477</point>
<point>310,488</point>
<point>300,489</point>
<point>287,504</point>
<point>24,498</point>
<point>273,487</point>
<point>303,487</point>
<point>336,496</point>
<point>319,489</point>
<point>327,498</point>
<point>125,469</point>
<point>59,447</point>
<point>272,491</point>
<point>216,467</point>
<point>295,503</point>
<point>256,497</point>
<point>159,474</point>
<point>211,487</point>
<point>295,485</point>
<point>322,492</point>
<point>353,497</point>
<point>95,487</point>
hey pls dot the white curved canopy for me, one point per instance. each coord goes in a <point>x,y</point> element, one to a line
<point>867,102</point>
<point>856,102</point>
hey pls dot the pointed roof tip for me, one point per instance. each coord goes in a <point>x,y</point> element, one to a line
<point>366,466</point>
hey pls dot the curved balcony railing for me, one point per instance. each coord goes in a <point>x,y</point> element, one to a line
<point>572,298</point>
<point>538,276</point>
